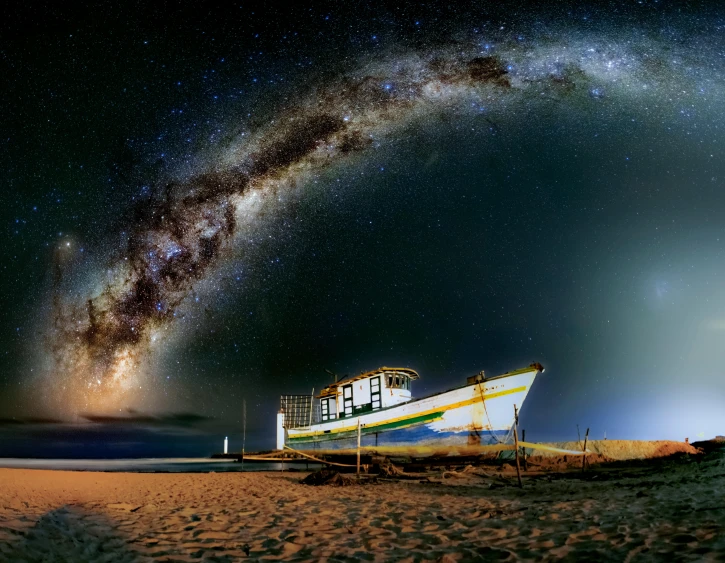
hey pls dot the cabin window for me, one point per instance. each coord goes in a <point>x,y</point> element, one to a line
<point>347,400</point>
<point>328,410</point>
<point>375,392</point>
<point>399,381</point>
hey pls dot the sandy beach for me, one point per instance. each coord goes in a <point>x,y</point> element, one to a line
<point>671,509</point>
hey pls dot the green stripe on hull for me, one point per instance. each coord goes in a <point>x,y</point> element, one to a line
<point>422,419</point>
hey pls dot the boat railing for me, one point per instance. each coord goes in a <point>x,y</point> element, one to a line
<point>316,412</point>
<point>300,411</point>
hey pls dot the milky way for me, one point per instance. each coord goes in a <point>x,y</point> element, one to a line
<point>180,237</point>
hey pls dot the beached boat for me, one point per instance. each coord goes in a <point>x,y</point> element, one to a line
<point>378,407</point>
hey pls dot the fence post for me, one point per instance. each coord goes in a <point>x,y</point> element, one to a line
<point>516,445</point>
<point>523,438</point>
<point>359,427</point>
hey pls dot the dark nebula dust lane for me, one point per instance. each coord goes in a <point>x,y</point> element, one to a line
<point>179,236</point>
<point>614,88</point>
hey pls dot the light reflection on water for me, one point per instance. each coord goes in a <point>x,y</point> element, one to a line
<point>151,465</point>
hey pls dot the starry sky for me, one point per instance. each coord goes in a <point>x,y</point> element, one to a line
<point>207,206</point>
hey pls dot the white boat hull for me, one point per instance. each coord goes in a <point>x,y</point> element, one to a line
<point>476,414</point>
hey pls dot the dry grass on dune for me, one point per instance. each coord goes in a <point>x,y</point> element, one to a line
<point>624,449</point>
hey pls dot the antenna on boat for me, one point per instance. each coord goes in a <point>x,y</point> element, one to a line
<point>332,374</point>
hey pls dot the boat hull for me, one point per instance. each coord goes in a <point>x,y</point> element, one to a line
<point>476,414</point>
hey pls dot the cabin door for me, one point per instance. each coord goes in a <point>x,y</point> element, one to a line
<point>375,392</point>
<point>347,400</point>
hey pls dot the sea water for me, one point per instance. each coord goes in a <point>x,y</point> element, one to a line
<point>152,465</point>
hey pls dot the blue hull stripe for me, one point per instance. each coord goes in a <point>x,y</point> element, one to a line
<point>413,436</point>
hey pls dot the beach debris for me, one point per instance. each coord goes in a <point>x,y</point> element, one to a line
<point>388,469</point>
<point>327,477</point>
<point>454,474</point>
<point>124,506</point>
<point>470,475</point>
<point>466,471</point>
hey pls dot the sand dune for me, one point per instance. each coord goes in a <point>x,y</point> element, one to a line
<point>671,510</point>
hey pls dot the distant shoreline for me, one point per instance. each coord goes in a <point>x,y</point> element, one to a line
<point>143,465</point>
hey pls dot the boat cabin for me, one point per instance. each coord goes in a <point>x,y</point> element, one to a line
<point>377,389</point>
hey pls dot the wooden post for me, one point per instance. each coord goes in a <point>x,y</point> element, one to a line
<point>359,426</point>
<point>312,404</point>
<point>584,457</point>
<point>523,438</point>
<point>516,445</point>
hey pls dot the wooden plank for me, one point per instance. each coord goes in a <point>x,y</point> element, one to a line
<point>303,454</point>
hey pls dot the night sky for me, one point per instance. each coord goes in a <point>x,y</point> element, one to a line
<point>204,206</point>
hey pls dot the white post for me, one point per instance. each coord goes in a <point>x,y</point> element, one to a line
<point>226,445</point>
<point>280,430</point>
